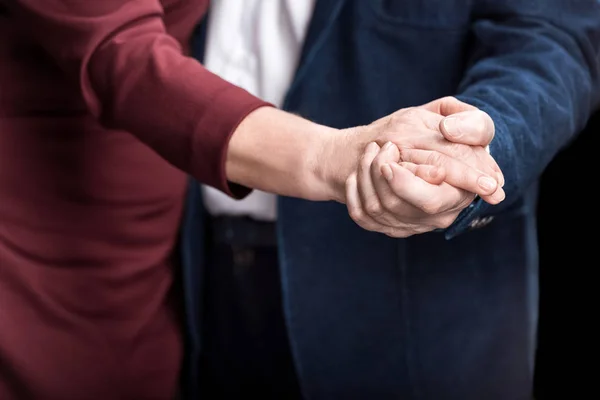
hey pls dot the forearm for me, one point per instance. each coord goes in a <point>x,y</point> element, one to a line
<point>537,77</point>
<point>279,152</point>
<point>539,81</point>
<point>134,76</point>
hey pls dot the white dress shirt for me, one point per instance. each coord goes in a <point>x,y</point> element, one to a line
<point>254,44</point>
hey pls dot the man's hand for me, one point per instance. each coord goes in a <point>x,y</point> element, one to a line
<point>417,133</point>
<point>420,133</point>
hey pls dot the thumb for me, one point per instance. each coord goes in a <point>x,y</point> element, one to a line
<point>475,128</point>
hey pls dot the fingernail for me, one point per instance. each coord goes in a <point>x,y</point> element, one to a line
<point>388,146</point>
<point>501,196</point>
<point>386,171</point>
<point>501,179</point>
<point>372,147</point>
<point>487,183</point>
<point>451,126</point>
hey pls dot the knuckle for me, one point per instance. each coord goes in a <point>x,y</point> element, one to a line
<point>423,117</point>
<point>432,206</point>
<point>435,158</point>
<point>408,112</point>
<point>391,204</point>
<point>396,118</point>
<point>445,221</point>
<point>416,229</point>
<point>350,180</point>
<point>403,153</point>
<point>356,214</point>
<point>460,151</point>
<point>369,227</point>
<point>407,154</point>
<point>374,208</point>
<point>398,233</point>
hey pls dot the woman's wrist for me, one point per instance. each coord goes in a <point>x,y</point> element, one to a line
<point>278,152</point>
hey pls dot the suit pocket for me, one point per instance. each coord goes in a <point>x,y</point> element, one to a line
<point>430,14</point>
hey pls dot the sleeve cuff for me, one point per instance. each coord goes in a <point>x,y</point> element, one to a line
<point>209,147</point>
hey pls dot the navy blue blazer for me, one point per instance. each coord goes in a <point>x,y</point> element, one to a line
<point>442,315</point>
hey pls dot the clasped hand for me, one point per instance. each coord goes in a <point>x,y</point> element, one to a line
<point>420,167</point>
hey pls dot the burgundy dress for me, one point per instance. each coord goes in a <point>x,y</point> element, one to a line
<point>102,114</point>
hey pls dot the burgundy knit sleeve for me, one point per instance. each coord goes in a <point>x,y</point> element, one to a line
<point>134,76</point>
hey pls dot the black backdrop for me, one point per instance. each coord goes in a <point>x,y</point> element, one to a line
<point>567,361</point>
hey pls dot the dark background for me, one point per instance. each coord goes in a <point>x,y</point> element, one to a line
<point>567,219</point>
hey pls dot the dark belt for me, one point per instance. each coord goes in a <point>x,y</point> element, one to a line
<point>241,232</point>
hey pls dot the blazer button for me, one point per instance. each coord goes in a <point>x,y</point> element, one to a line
<point>480,222</point>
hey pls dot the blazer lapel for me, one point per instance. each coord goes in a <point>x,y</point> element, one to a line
<point>324,16</point>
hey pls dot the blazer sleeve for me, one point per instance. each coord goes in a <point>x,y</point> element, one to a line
<point>534,67</point>
<point>134,76</point>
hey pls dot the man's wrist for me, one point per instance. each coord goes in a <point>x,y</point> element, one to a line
<point>313,171</point>
<point>336,158</point>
